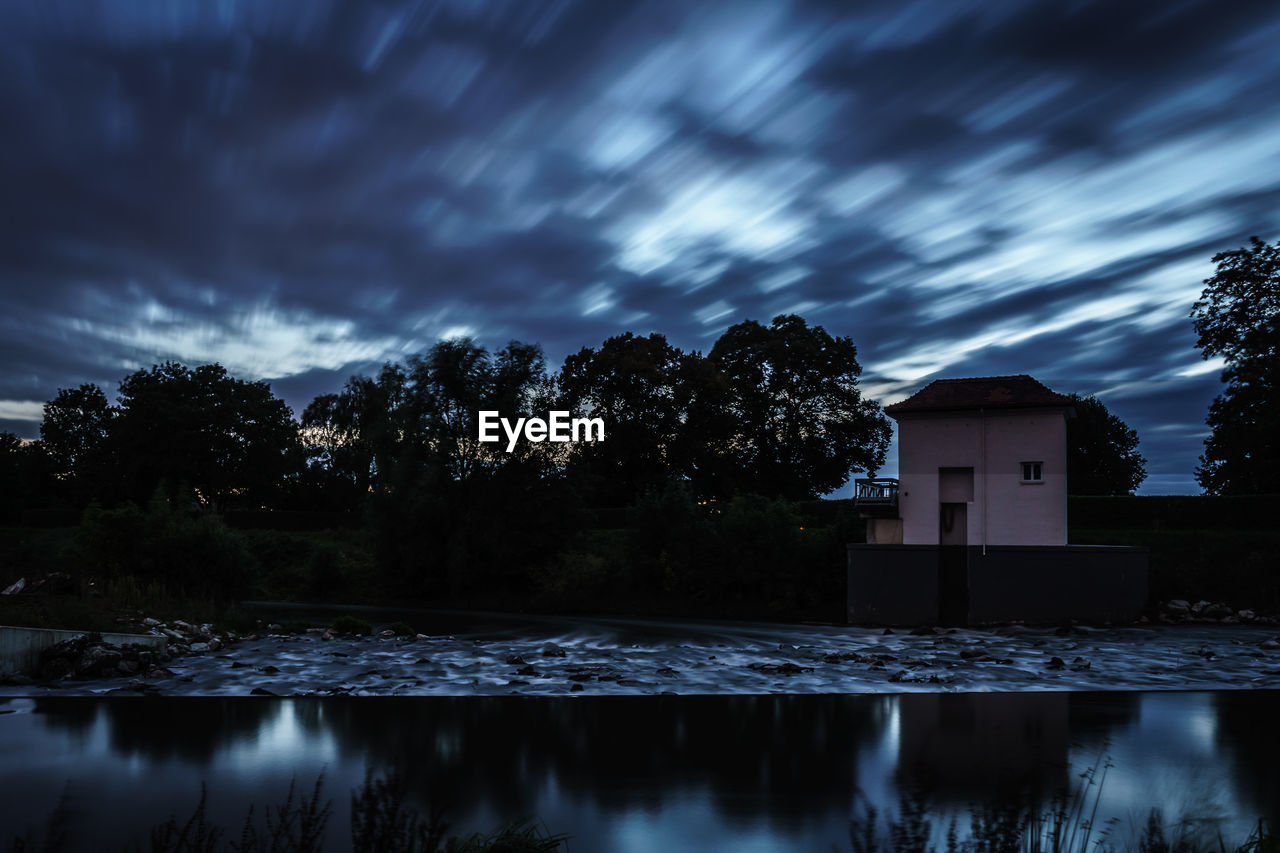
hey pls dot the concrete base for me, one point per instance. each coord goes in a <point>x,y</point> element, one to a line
<point>907,584</point>
<point>20,648</point>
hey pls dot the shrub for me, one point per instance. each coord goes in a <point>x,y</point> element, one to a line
<point>352,625</point>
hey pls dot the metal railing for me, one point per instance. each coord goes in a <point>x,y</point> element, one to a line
<point>879,491</point>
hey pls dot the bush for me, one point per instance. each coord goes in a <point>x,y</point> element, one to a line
<point>188,553</point>
<point>352,625</point>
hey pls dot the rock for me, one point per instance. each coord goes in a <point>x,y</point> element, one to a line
<point>421,637</point>
<point>1056,663</point>
<point>270,670</point>
<point>327,635</point>
<point>526,670</point>
<point>197,648</point>
<point>214,644</point>
<point>668,671</point>
<point>886,632</point>
<point>17,679</point>
<point>1177,605</point>
<point>15,587</point>
<point>152,623</point>
<point>386,633</point>
<point>580,676</point>
<point>172,635</point>
<point>262,691</point>
<point>1217,611</point>
<point>127,667</point>
<point>1080,665</point>
<point>551,650</point>
<point>1269,645</point>
<point>1199,607</point>
<point>923,631</point>
<point>970,654</point>
<point>1246,615</point>
<point>576,688</point>
<point>515,660</point>
<point>787,668</point>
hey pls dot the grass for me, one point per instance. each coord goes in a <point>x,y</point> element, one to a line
<point>382,821</point>
<point>1020,824</point>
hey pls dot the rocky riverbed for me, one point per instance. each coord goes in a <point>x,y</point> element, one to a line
<point>630,656</point>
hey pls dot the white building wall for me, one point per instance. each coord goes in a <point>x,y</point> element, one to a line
<point>1016,513</point>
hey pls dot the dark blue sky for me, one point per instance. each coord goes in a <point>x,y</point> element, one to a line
<point>304,190</point>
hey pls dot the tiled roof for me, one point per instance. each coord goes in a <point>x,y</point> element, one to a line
<point>984,392</point>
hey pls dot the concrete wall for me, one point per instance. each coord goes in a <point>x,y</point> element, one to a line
<point>892,585</point>
<point>994,445</point>
<point>901,585</point>
<point>1093,583</point>
<point>20,648</point>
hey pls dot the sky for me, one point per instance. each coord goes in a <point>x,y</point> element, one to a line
<point>302,191</point>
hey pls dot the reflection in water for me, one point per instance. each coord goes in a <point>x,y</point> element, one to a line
<point>624,773</point>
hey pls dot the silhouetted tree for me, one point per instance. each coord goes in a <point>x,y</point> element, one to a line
<point>73,434</point>
<point>1102,451</point>
<point>231,440</point>
<point>785,417</point>
<point>27,474</point>
<point>641,387</point>
<point>1237,317</point>
<point>445,510</point>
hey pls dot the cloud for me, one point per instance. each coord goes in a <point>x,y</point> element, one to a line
<point>301,190</point>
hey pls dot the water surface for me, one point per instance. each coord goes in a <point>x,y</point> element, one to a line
<point>742,772</point>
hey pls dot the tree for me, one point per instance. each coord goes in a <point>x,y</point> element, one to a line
<point>1237,318</point>
<point>1102,451</point>
<point>784,416</point>
<point>73,434</point>
<point>641,387</point>
<point>230,440</point>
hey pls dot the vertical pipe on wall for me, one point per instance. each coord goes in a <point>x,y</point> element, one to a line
<point>982,414</point>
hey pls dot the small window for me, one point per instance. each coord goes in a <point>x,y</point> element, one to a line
<point>1032,472</point>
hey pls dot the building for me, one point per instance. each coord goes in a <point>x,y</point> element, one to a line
<point>975,527</point>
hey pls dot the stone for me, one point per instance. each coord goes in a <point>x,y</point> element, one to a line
<point>923,631</point>
<point>576,688</point>
<point>15,587</point>
<point>515,660</point>
<point>1269,645</point>
<point>386,633</point>
<point>1246,615</point>
<point>1056,663</point>
<point>262,691</point>
<point>1217,611</point>
<point>1177,605</point>
<point>970,654</point>
<point>197,648</point>
<point>551,650</point>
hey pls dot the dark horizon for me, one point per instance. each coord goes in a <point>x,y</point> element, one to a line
<point>301,192</point>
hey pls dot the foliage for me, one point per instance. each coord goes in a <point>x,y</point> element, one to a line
<point>352,625</point>
<point>642,388</point>
<point>1237,317</point>
<point>1102,451</point>
<point>786,417</point>
<point>231,441</point>
<point>73,435</point>
<point>184,551</point>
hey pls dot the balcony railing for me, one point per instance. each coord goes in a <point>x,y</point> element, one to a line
<point>876,492</point>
